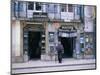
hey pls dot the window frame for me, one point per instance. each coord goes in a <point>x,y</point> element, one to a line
<point>32,7</point>
<point>64,7</point>
<point>70,8</point>
<point>40,5</point>
<point>53,10</point>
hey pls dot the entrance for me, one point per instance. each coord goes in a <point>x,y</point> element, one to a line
<point>67,43</point>
<point>34,48</point>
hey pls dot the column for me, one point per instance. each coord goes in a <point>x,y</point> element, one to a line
<point>16,42</point>
<point>78,44</point>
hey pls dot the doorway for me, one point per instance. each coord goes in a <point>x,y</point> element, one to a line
<point>34,48</point>
<point>67,43</point>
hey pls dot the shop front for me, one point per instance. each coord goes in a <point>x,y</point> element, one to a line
<point>89,45</point>
<point>68,34</point>
<point>38,40</point>
<point>33,41</point>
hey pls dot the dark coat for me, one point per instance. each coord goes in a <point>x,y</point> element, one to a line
<point>59,48</point>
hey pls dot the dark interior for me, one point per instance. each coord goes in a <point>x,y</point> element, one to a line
<point>34,51</point>
<point>68,46</point>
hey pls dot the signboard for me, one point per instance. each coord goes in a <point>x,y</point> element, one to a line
<point>66,34</point>
<point>73,34</point>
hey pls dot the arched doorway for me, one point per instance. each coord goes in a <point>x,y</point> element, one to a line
<point>32,41</point>
<point>67,35</point>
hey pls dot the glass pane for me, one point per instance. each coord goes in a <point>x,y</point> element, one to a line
<point>38,6</point>
<point>70,8</point>
<point>63,8</point>
<point>30,5</point>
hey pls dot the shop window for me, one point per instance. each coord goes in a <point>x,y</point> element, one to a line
<point>87,39</point>
<point>82,45</point>
<point>51,37</point>
<point>30,5</point>
<point>63,8</point>
<point>38,6</point>
<point>70,8</point>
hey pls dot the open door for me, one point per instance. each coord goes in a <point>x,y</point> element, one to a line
<point>34,41</point>
<point>67,43</point>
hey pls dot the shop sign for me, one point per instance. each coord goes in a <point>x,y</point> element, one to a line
<point>62,34</point>
<point>73,34</point>
<point>68,27</point>
<point>65,35</point>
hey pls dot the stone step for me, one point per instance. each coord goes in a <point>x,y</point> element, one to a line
<point>53,68</point>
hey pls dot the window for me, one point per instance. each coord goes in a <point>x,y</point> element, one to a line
<point>16,6</point>
<point>78,9</point>
<point>20,6</point>
<point>63,8</point>
<point>52,8</point>
<point>51,36</point>
<point>30,5</point>
<point>70,8</point>
<point>55,8</point>
<point>38,6</point>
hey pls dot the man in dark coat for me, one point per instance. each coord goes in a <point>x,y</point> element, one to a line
<point>60,51</point>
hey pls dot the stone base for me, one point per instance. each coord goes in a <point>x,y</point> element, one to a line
<point>17,59</point>
<point>26,58</point>
<point>88,56</point>
<point>48,57</point>
<point>79,56</point>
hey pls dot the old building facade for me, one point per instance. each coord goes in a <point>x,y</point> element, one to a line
<point>37,27</point>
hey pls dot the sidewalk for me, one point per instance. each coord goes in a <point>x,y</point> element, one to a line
<point>42,66</point>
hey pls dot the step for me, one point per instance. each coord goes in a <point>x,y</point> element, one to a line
<point>53,68</point>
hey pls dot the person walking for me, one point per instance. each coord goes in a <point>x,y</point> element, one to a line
<point>60,51</point>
